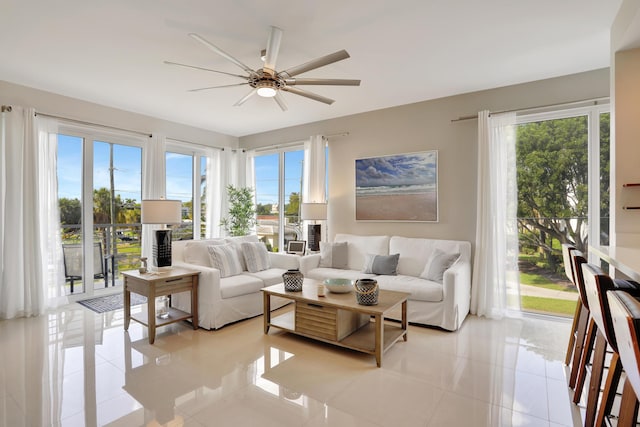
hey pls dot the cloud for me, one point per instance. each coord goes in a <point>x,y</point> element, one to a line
<point>404,169</point>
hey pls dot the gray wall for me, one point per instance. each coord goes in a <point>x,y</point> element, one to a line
<point>426,126</point>
<point>72,108</point>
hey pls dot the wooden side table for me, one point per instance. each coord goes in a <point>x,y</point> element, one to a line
<point>156,284</point>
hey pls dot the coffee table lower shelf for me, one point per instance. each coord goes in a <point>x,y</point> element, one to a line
<point>362,339</point>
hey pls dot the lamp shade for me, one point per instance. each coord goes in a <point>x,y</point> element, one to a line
<point>314,211</point>
<point>161,211</point>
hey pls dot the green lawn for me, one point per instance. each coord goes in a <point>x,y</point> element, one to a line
<point>543,282</point>
<point>548,305</point>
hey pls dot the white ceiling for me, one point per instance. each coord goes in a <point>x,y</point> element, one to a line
<point>112,52</point>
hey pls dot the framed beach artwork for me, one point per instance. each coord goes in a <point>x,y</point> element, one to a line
<point>399,187</point>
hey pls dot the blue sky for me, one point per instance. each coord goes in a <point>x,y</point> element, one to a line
<point>127,162</point>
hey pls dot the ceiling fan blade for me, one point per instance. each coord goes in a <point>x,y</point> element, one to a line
<point>319,82</point>
<point>309,95</point>
<point>316,63</point>
<point>280,100</point>
<point>244,99</point>
<point>216,87</point>
<point>273,46</point>
<point>205,69</point>
<point>221,52</point>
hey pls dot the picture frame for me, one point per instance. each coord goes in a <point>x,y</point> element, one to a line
<point>397,187</point>
<point>296,247</point>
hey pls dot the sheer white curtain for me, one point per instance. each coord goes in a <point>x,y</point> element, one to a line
<point>217,181</point>
<point>30,280</point>
<point>495,287</point>
<point>153,183</point>
<point>314,176</point>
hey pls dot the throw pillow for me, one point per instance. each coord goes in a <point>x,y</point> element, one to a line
<point>225,259</point>
<point>333,255</point>
<point>195,252</point>
<point>437,264</point>
<point>256,256</point>
<point>381,264</point>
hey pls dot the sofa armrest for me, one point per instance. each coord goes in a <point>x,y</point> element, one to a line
<point>309,262</point>
<point>282,260</point>
<point>457,289</point>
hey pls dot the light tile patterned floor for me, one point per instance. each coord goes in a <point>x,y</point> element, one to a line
<point>75,367</point>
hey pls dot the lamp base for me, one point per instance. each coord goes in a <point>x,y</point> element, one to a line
<point>161,249</point>
<point>313,237</point>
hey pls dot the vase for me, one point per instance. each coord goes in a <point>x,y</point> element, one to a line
<point>292,280</point>
<point>366,291</point>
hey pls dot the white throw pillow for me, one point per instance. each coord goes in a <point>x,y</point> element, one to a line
<point>256,256</point>
<point>437,264</point>
<point>225,259</point>
<point>195,252</point>
<point>333,255</point>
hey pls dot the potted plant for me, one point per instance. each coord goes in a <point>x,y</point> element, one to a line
<point>242,214</point>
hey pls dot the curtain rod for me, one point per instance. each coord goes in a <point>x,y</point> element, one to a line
<point>594,101</point>
<point>6,108</point>
<point>233,150</point>
<point>82,122</point>
<point>292,143</point>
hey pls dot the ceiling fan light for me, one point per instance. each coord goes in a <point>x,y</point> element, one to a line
<point>267,91</point>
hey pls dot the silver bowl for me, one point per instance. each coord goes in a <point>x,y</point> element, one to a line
<point>339,286</point>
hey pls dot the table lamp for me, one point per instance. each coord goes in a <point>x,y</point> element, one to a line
<point>161,212</point>
<point>314,212</point>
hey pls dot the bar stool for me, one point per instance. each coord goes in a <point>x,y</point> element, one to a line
<point>586,333</point>
<point>568,269</point>
<point>597,284</point>
<point>625,316</point>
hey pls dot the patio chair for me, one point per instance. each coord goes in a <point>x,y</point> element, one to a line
<point>72,254</point>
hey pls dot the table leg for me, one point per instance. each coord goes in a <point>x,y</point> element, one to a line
<point>194,302</point>
<point>151,315</point>
<point>404,319</point>
<point>267,311</point>
<point>379,319</point>
<point>127,306</point>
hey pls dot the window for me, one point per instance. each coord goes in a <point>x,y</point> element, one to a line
<point>99,194</point>
<point>278,191</point>
<point>559,156</point>
<point>186,181</point>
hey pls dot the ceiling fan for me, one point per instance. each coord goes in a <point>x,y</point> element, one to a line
<point>266,81</point>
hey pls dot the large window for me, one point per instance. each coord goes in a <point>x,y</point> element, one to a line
<point>99,194</point>
<point>558,202</point>
<point>186,181</point>
<point>278,191</point>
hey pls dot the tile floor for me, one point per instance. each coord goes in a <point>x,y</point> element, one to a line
<point>78,368</point>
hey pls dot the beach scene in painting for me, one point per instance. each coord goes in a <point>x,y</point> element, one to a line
<point>402,187</point>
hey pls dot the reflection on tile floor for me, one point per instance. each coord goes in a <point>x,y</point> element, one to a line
<point>75,367</point>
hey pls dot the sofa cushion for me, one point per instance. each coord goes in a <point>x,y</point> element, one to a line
<point>195,251</point>
<point>255,256</point>
<point>420,289</point>
<point>270,276</point>
<point>333,255</point>
<point>240,284</point>
<point>438,263</point>
<point>381,264</point>
<point>359,246</point>
<point>322,273</point>
<point>225,259</point>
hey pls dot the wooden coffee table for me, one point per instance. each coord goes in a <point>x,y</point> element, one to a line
<point>338,319</point>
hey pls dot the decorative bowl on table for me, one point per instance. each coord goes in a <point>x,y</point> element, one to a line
<point>339,286</point>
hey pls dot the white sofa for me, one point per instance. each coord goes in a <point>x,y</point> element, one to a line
<point>225,300</point>
<point>431,303</point>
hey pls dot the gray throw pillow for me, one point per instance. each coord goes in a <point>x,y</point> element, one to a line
<point>333,255</point>
<point>438,263</point>
<point>381,264</point>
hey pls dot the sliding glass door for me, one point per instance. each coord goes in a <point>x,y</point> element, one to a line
<point>99,194</point>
